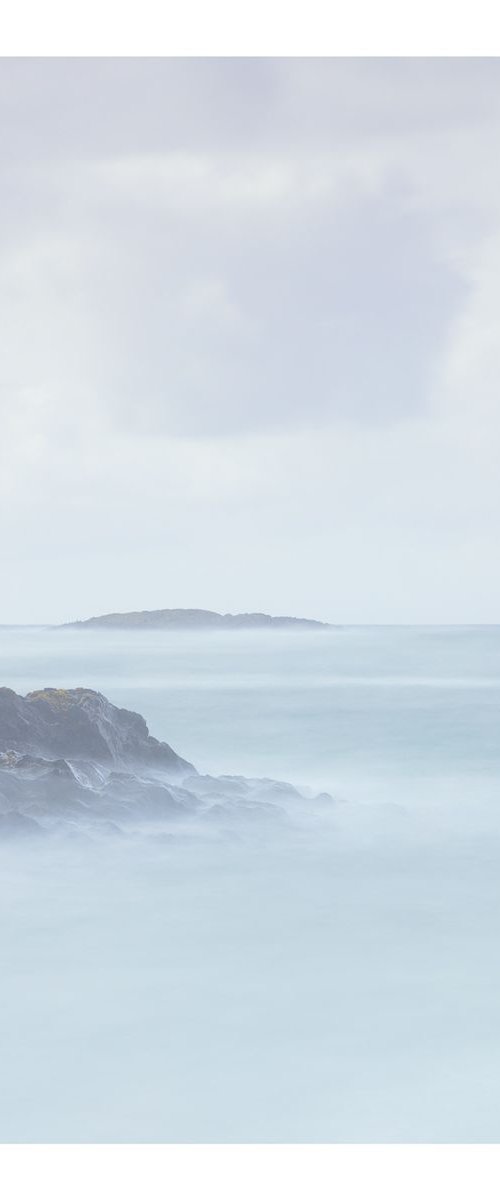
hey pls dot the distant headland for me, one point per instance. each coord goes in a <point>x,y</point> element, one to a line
<point>193,618</point>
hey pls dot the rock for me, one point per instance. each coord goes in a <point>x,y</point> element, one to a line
<point>72,762</point>
<point>78,723</point>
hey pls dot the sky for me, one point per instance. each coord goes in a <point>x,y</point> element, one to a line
<point>250,337</point>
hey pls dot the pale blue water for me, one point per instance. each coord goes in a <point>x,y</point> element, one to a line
<point>365,703</point>
<point>341,988</point>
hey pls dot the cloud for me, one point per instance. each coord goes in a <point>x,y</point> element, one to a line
<point>214,296</point>
<point>249,314</point>
<point>75,109</point>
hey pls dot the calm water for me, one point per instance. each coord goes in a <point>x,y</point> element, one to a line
<point>343,988</point>
<point>366,704</point>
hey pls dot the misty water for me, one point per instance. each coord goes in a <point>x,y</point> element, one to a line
<point>337,982</point>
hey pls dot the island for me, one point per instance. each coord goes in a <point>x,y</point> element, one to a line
<point>193,619</point>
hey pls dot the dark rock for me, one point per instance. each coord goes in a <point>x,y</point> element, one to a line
<point>72,762</point>
<point>78,723</point>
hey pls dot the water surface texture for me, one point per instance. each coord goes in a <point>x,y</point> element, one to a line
<point>335,984</point>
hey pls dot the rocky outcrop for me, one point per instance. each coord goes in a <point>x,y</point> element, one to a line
<point>78,723</point>
<point>72,762</point>
<point>58,794</point>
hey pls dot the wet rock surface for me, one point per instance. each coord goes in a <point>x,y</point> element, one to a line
<point>71,761</point>
<point>82,724</point>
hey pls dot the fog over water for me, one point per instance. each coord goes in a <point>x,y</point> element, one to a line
<point>335,979</point>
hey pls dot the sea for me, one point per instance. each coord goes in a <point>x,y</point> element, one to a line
<point>337,987</point>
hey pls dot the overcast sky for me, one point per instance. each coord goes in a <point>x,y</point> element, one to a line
<point>250,337</point>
